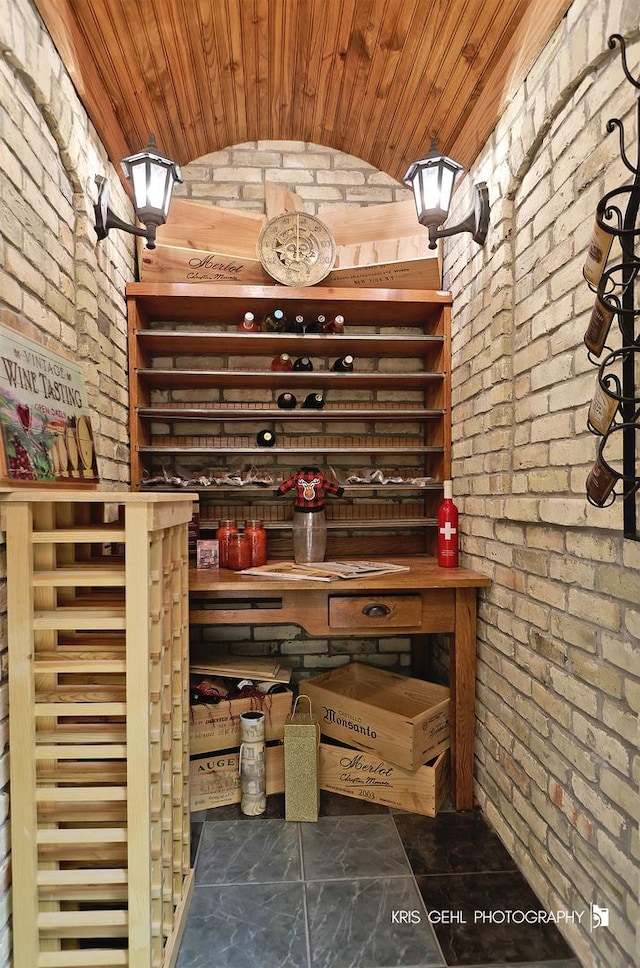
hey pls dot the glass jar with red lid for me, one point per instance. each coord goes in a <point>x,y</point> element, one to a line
<point>258,537</point>
<point>225,529</point>
<point>239,551</point>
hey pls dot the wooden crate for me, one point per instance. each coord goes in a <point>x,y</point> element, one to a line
<point>217,727</point>
<point>99,727</point>
<point>404,720</point>
<point>215,779</point>
<point>354,773</point>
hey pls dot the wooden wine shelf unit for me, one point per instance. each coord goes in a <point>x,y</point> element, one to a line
<point>192,373</point>
<point>99,727</point>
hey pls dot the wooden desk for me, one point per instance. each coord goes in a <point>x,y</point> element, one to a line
<point>424,599</point>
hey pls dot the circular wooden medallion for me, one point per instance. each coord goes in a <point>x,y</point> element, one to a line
<point>296,249</point>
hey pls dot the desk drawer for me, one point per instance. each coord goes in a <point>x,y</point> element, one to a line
<point>376,612</point>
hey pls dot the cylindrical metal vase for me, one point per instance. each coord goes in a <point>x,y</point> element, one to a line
<point>252,764</point>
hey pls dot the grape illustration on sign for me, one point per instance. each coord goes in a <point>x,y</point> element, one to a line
<point>44,415</point>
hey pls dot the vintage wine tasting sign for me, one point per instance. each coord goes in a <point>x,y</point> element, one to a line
<point>46,426</point>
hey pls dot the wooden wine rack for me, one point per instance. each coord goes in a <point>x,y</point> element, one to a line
<point>97,588</point>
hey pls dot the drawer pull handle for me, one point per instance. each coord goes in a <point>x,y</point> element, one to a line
<point>376,610</point>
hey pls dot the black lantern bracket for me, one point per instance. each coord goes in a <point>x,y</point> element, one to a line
<point>106,218</point>
<point>617,213</point>
<point>152,176</point>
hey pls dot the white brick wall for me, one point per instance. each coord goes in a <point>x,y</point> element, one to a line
<point>559,669</point>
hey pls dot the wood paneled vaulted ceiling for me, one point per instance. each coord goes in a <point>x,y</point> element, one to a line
<point>374,78</point>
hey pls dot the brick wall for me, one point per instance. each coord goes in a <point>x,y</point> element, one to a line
<point>558,690</point>
<point>55,282</point>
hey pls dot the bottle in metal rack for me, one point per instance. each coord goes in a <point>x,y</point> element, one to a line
<point>335,326</point>
<point>248,324</point>
<point>313,401</point>
<point>316,325</point>
<point>282,363</point>
<point>286,401</point>
<point>303,363</point>
<point>343,365</point>
<point>274,322</point>
<point>265,438</point>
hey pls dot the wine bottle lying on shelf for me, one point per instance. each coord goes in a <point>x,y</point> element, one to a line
<point>343,365</point>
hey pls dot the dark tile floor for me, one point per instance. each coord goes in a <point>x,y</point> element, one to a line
<point>364,887</point>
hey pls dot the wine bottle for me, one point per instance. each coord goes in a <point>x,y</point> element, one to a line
<point>316,325</point>
<point>335,326</point>
<point>597,253</point>
<point>343,365</point>
<point>303,363</point>
<point>265,438</point>
<point>248,324</point>
<point>448,529</point>
<point>298,325</point>
<point>286,401</point>
<point>598,328</point>
<point>282,363</point>
<point>274,322</point>
<point>313,401</point>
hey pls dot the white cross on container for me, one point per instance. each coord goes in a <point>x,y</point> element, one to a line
<point>448,531</point>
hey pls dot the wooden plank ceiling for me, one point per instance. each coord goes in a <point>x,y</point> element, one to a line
<point>374,78</point>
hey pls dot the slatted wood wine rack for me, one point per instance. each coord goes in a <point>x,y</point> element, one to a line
<point>99,714</point>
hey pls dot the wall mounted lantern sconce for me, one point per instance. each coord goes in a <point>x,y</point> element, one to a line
<point>432,181</point>
<point>152,176</point>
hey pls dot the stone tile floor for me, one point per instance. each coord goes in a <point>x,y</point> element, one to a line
<point>365,887</point>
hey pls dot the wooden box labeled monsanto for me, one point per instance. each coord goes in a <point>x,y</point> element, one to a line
<point>217,727</point>
<point>214,780</point>
<point>367,777</point>
<point>404,720</point>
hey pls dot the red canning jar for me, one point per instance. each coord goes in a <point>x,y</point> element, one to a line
<point>239,551</point>
<point>258,539</point>
<point>226,529</point>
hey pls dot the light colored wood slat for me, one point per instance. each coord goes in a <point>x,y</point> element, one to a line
<point>79,618</point>
<point>98,535</point>
<point>80,708</point>
<point>102,894</point>
<point>84,795</point>
<point>84,576</point>
<point>94,876</point>
<point>77,924</point>
<point>87,958</point>
<point>94,731</point>
<point>82,835</point>
<point>60,752</point>
<point>63,664</point>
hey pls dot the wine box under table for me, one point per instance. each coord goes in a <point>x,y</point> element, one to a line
<point>404,720</point>
<point>354,773</point>
<point>214,780</point>
<point>217,726</point>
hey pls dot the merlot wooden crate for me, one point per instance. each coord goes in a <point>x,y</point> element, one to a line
<point>365,776</point>
<point>215,779</point>
<point>217,727</point>
<point>404,720</point>
<point>99,727</point>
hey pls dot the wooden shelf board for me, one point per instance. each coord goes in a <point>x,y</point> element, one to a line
<point>271,413</point>
<point>350,524</point>
<point>374,449</point>
<point>104,534</point>
<point>267,490</point>
<point>186,342</point>
<point>179,379</point>
<point>206,302</point>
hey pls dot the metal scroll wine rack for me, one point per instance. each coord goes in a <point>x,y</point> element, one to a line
<point>616,400</point>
